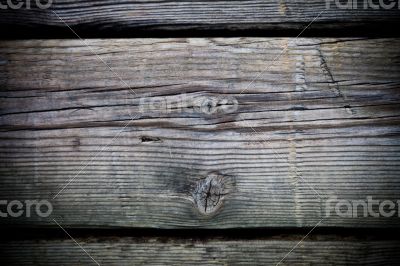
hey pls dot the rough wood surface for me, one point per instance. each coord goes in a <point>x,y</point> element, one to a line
<point>156,251</point>
<point>116,16</point>
<point>323,118</point>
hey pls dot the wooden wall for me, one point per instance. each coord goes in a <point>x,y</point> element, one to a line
<point>199,134</point>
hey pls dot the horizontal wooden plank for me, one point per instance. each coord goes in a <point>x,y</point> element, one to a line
<point>131,17</point>
<point>321,121</point>
<point>159,251</point>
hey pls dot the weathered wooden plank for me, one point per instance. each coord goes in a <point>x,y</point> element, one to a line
<point>323,118</point>
<point>160,251</point>
<point>93,17</point>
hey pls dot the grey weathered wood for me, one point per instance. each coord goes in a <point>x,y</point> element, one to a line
<point>103,15</point>
<point>160,251</point>
<point>324,116</point>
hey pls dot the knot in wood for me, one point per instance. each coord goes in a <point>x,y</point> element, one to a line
<point>219,104</point>
<point>210,192</point>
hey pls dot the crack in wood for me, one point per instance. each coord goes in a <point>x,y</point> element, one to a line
<point>333,84</point>
<point>149,139</point>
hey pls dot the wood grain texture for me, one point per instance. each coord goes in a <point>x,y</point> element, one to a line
<point>323,118</point>
<point>156,251</point>
<point>115,16</point>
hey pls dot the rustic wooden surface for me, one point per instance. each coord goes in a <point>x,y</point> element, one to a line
<point>161,251</point>
<point>323,118</point>
<point>130,16</point>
